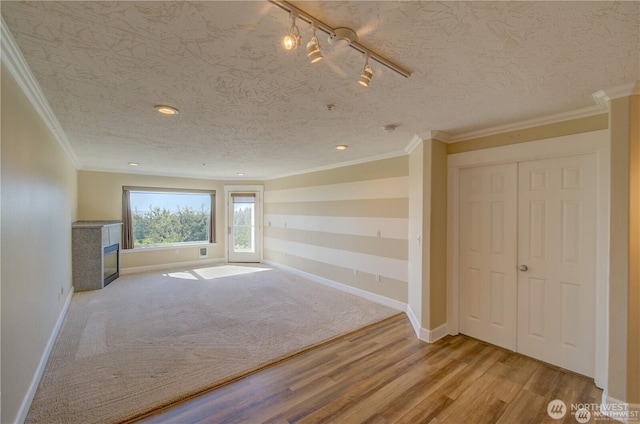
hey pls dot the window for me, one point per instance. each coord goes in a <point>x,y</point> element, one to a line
<point>156,216</point>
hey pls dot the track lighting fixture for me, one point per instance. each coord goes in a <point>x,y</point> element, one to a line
<point>337,37</point>
<point>367,72</point>
<point>313,48</point>
<point>292,39</point>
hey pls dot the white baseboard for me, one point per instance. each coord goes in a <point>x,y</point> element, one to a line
<point>415,323</point>
<point>429,336</point>
<point>623,412</point>
<point>395,304</point>
<point>35,381</point>
<point>161,267</point>
<point>437,333</point>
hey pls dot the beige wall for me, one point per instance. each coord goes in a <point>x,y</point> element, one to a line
<point>428,220</point>
<point>633,305</point>
<point>347,224</point>
<point>38,203</point>
<point>100,198</point>
<point>624,272</point>
<point>416,230</point>
<point>541,132</point>
<point>619,242</point>
<point>438,236</point>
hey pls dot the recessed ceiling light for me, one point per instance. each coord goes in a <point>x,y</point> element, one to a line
<point>166,110</point>
<point>341,147</point>
<point>133,164</point>
<point>240,174</point>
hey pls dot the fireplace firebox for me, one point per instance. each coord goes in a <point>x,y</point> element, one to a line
<point>111,265</point>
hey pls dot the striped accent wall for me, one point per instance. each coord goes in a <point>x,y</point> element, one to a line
<point>348,225</point>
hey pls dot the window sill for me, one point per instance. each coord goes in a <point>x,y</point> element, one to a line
<point>157,247</point>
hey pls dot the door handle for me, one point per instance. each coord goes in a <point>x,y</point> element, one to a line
<point>523,268</point>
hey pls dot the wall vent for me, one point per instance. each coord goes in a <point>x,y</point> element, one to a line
<point>203,252</point>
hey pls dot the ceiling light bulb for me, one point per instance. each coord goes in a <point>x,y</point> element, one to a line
<point>341,147</point>
<point>367,73</point>
<point>133,163</point>
<point>292,40</point>
<point>166,110</point>
<point>313,48</point>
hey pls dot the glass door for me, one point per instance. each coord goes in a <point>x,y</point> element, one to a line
<point>244,240</point>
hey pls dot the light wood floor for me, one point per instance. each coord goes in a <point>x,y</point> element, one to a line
<point>384,374</point>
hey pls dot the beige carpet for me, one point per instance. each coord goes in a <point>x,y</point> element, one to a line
<point>149,340</point>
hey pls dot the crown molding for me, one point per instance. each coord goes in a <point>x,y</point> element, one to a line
<point>413,143</point>
<point>435,135</point>
<point>440,136</point>
<point>601,99</point>
<point>339,165</point>
<point>604,97</point>
<point>428,135</point>
<point>17,66</point>
<point>529,123</point>
<point>238,180</point>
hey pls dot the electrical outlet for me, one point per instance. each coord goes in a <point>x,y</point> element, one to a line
<point>378,278</point>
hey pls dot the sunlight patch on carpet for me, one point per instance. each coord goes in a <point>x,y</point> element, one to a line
<point>213,272</point>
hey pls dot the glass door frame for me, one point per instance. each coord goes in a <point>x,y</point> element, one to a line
<point>257,191</point>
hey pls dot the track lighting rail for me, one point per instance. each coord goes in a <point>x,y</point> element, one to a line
<point>302,15</point>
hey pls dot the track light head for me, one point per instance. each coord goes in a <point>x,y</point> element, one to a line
<point>313,48</point>
<point>367,73</point>
<point>292,40</point>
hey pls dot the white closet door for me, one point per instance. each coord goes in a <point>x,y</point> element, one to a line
<point>557,245</point>
<point>488,200</point>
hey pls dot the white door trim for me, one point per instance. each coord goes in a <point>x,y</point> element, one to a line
<point>597,142</point>
<point>259,191</point>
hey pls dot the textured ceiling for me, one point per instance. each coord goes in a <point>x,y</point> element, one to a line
<point>248,106</point>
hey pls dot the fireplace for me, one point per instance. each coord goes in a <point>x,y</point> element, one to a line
<point>95,253</point>
<point>111,264</point>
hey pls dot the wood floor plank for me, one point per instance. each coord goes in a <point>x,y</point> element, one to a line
<point>384,375</point>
